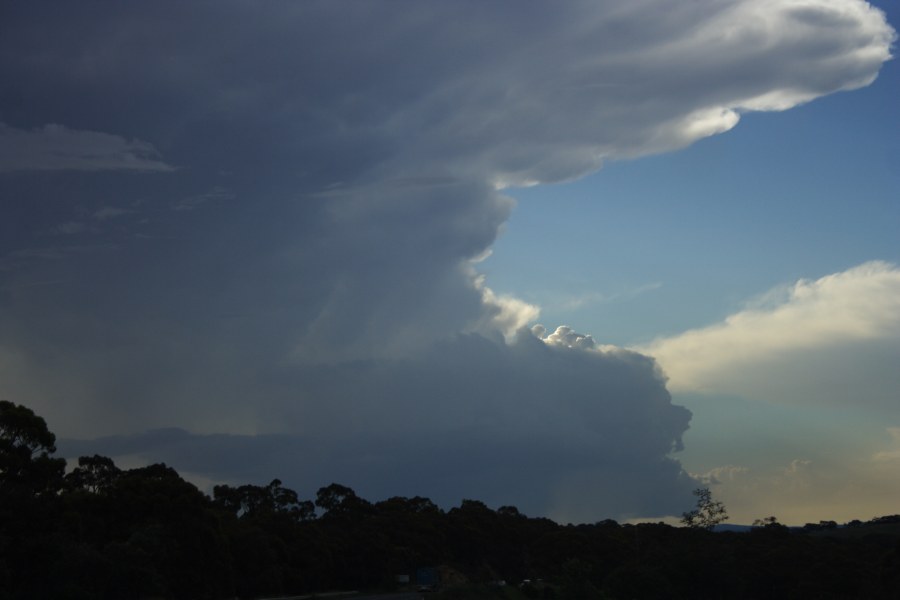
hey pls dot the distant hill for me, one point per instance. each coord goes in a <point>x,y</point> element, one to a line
<point>735,528</point>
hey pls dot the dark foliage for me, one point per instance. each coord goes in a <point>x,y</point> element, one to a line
<point>708,512</point>
<point>101,532</point>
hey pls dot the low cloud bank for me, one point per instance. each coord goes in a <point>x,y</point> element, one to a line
<point>581,435</point>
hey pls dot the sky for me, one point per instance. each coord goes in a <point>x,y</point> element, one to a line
<point>581,257</point>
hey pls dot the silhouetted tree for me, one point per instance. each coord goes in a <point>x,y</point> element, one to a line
<point>708,513</point>
<point>400,504</point>
<point>767,522</point>
<point>253,501</point>
<point>29,506</point>
<point>95,474</point>
<point>509,511</point>
<point>339,500</point>
<point>26,444</point>
<point>157,514</point>
<point>108,533</point>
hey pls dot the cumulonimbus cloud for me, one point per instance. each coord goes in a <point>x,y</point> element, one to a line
<point>364,147</point>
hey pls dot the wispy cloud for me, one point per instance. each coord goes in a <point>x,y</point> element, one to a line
<point>892,454</point>
<point>71,228</point>
<point>20,259</point>
<point>110,212</point>
<point>579,301</point>
<point>803,490</point>
<point>218,193</point>
<point>57,148</point>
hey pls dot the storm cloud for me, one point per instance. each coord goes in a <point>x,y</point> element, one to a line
<point>294,250</point>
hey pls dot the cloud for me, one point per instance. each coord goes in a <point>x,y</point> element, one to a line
<point>803,490</point>
<point>580,301</point>
<point>110,212</point>
<point>893,453</point>
<point>828,340</point>
<point>564,337</point>
<point>549,428</point>
<point>656,85</point>
<point>335,298</point>
<point>527,98</point>
<point>216,194</point>
<point>58,148</point>
<point>71,228</point>
<point>509,314</point>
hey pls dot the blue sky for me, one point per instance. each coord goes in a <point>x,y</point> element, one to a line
<point>314,242</point>
<point>782,196</point>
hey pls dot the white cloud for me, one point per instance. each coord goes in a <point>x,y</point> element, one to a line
<point>507,314</point>
<point>798,336</point>
<point>565,337</point>
<point>56,147</point>
<point>657,84</point>
<point>721,474</point>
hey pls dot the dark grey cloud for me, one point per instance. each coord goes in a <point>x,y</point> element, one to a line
<point>266,219</point>
<point>528,423</point>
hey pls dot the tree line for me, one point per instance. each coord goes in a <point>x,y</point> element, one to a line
<point>101,532</point>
